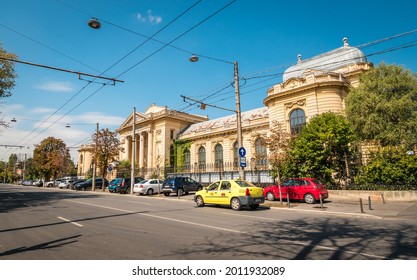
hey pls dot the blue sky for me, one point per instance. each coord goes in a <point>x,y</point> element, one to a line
<point>263,36</point>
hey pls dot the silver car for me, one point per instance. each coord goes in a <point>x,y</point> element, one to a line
<point>149,187</point>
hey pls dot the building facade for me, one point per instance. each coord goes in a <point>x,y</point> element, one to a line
<point>310,87</point>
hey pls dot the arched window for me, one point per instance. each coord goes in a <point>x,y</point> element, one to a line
<point>218,156</point>
<point>171,156</point>
<point>235,154</point>
<point>202,158</point>
<point>297,121</point>
<point>187,159</point>
<point>260,151</point>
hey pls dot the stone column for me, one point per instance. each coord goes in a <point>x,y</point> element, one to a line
<point>141,147</point>
<point>150,148</point>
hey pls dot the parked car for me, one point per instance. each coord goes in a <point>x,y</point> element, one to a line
<point>87,185</point>
<point>65,183</point>
<point>123,185</point>
<point>37,183</point>
<point>149,187</point>
<point>304,189</point>
<point>76,181</point>
<point>27,183</point>
<point>180,185</point>
<point>54,183</point>
<point>113,185</point>
<point>235,193</point>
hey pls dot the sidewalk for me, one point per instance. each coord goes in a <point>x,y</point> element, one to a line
<point>351,207</point>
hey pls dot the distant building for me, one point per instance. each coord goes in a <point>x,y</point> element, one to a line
<point>311,87</point>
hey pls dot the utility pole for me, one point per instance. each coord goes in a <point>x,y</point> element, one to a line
<point>93,185</point>
<point>132,174</point>
<point>238,117</point>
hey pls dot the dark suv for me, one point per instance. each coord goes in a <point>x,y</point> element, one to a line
<point>123,184</point>
<point>87,185</point>
<point>180,185</point>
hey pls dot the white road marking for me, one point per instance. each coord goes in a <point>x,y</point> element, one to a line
<point>66,220</point>
<point>231,230</point>
<point>160,217</point>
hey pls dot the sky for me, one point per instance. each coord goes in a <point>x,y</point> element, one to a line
<point>146,45</point>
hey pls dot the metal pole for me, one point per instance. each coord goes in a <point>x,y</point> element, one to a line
<point>321,202</point>
<point>369,202</point>
<point>361,205</point>
<point>132,174</point>
<point>238,116</point>
<point>93,183</point>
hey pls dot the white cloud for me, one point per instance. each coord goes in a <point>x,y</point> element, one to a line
<point>56,87</point>
<point>149,17</point>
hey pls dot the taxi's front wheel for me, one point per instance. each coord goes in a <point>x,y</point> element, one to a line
<point>199,201</point>
<point>235,204</point>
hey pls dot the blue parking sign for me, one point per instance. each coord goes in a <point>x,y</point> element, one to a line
<point>242,152</point>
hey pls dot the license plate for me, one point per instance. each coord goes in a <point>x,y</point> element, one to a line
<point>258,200</point>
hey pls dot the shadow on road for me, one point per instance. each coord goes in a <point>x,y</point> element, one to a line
<point>321,239</point>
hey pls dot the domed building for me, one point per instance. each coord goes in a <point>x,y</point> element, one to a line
<point>208,149</point>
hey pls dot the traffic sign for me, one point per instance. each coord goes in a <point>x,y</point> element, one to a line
<point>242,162</point>
<point>242,152</point>
<point>110,168</point>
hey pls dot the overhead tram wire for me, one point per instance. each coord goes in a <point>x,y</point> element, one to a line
<point>272,76</point>
<point>140,61</point>
<point>50,48</point>
<point>89,82</point>
<point>176,38</point>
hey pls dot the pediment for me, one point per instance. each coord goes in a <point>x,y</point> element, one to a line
<point>129,119</point>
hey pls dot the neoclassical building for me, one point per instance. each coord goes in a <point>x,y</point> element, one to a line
<point>310,87</point>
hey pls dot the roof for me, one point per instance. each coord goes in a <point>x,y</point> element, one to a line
<point>226,121</point>
<point>329,61</point>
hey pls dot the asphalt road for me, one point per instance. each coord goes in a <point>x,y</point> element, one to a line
<point>53,224</point>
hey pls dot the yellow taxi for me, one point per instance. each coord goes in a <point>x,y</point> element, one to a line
<point>236,193</point>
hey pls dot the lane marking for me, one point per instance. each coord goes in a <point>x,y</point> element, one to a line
<point>66,220</point>
<point>234,231</point>
<point>161,217</point>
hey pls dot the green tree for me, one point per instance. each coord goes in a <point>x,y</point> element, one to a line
<point>7,77</point>
<point>277,141</point>
<point>123,168</point>
<point>383,107</point>
<point>391,166</point>
<point>52,158</point>
<point>322,149</point>
<point>108,148</point>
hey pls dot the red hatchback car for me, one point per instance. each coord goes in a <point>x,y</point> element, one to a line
<point>304,189</point>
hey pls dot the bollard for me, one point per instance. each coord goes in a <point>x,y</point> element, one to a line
<point>321,202</point>
<point>383,199</point>
<point>369,202</point>
<point>288,201</point>
<point>361,205</point>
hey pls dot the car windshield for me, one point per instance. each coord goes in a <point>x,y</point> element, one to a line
<point>317,182</point>
<point>244,184</point>
<point>143,181</point>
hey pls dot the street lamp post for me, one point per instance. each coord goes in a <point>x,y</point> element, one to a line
<point>132,172</point>
<point>93,183</point>
<point>194,58</point>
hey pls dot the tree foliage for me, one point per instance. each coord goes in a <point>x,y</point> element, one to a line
<point>384,106</point>
<point>7,78</point>
<point>52,158</point>
<point>107,150</point>
<point>277,141</point>
<point>322,149</point>
<point>7,73</point>
<point>389,166</point>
